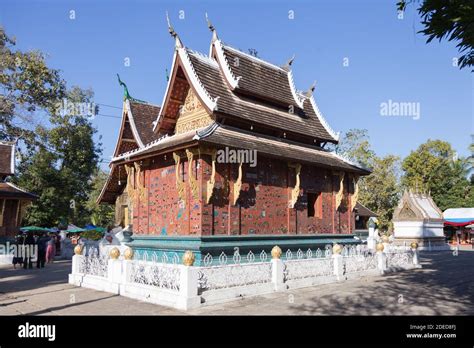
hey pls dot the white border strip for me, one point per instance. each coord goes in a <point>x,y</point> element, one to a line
<point>210,102</point>
<point>19,188</point>
<point>323,120</point>
<point>299,101</point>
<point>231,79</point>
<point>132,124</point>
<point>352,163</point>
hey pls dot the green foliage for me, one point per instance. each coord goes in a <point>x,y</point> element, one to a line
<point>60,171</point>
<point>92,235</point>
<point>380,191</point>
<point>29,87</point>
<point>433,168</point>
<point>355,146</point>
<point>452,20</point>
<point>101,214</point>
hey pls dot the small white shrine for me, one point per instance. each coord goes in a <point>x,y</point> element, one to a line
<point>418,219</point>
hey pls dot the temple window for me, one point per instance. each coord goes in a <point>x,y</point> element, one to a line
<point>315,204</point>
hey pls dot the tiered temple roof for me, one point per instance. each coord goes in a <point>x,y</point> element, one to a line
<point>253,104</point>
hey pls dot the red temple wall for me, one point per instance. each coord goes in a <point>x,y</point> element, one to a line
<point>262,207</point>
<point>263,203</point>
<point>161,212</point>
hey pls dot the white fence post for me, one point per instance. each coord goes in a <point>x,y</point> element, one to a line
<point>278,276</point>
<point>278,269</point>
<point>188,287</point>
<point>127,266</point>
<point>76,262</point>
<point>114,270</point>
<point>414,249</point>
<point>338,266</point>
<point>381,258</point>
<point>75,277</point>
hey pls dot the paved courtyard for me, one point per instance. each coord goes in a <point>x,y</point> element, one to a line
<point>445,286</point>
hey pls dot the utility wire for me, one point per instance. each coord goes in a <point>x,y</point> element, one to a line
<point>109,106</point>
<point>112,116</point>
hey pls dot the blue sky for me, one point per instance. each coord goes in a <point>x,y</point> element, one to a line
<point>387,59</point>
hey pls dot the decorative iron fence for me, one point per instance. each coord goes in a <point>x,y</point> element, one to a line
<point>308,268</point>
<point>93,263</point>
<point>161,275</point>
<point>399,259</point>
<point>359,263</point>
<point>233,275</point>
<point>225,277</point>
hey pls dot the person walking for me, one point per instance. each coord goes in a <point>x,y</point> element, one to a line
<point>42,245</point>
<point>28,250</point>
<point>51,249</point>
<point>18,252</point>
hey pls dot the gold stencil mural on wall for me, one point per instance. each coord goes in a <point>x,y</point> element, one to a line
<point>211,183</point>
<point>355,196</point>
<point>295,192</point>
<point>140,182</point>
<point>238,185</point>
<point>192,180</point>
<point>179,183</point>
<point>130,170</point>
<point>340,193</point>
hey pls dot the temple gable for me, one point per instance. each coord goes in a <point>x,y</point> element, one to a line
<point>192,114</point>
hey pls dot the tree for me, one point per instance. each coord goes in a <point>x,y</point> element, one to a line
<point>60,170</point>
<point>355,146</point>
<point>28,88</point>
<point>101,214</point>
<point>448,19</point>
<point>433,168</point>
<point>58,156</point>
<point>380,191</point>
<point>471,159</point>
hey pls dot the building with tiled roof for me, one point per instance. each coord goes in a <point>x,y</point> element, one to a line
<point>13,199</point>
<point>169,180</point>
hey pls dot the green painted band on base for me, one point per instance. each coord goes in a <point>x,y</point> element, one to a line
<point>215,245</point>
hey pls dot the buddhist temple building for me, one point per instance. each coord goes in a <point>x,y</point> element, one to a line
<point>418,219</point>
<point>13,200</point>
<point>234,157</point>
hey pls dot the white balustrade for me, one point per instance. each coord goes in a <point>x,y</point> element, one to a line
<point>221,277</point>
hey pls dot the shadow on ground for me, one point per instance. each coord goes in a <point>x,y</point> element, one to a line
<point>445,286</point>
<point>19,279</point>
